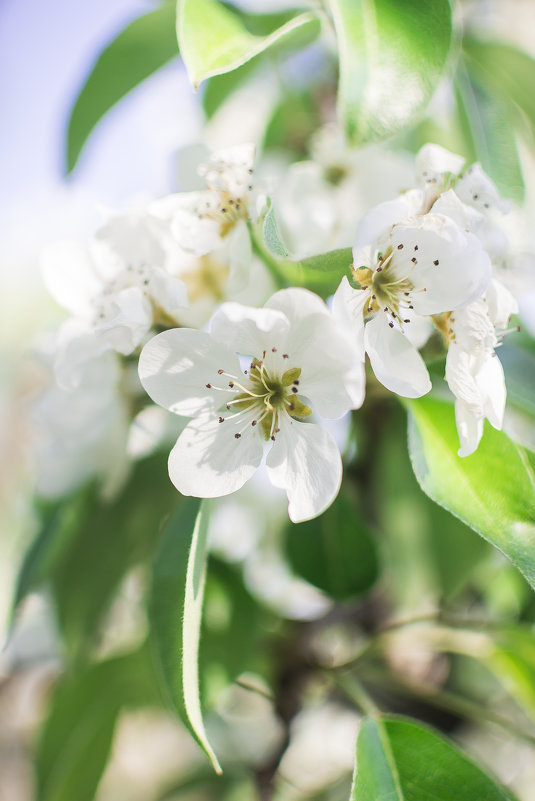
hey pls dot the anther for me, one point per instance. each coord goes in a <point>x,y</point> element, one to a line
<point>273,350</point>
<point>379,270</point>
<point>220,372</point>
<point>406,321</point>
<point>285,356</point>
<point>391,325</point>
<point>231,384</point>
<point>237,436</point>
<point>436,262</point>
<point>416,247</point>
<point>400,247</point>
<point>294,389</point>
<point>221,420</point>
<point>254,422</point>
<point>414,260</point>
<point>208,386</point>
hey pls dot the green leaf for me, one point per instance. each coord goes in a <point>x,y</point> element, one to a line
<point>140,49</point>
<point>321,273</point>
<point>488,127</point>
<point>391,61</point>
<point>112,537</point>
<point>398,760</point>
<point>175,608</point>
<point>335,552</point>
<point>76,738</point>
<point>492,491</point>
<point>230,624</point>
<point>505,71</point>
<point>213,39</point>
<point>59,524</point>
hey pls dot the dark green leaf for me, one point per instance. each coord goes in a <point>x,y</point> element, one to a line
<point>230,623</point>
<point>59,523</point>
<point>111,538</point>
<point>399,760</point>
<point>213,39</point>
<point>492,491</point>
<point>175,607</point>
<point>391,61</point>
<point>140,49</point>
<point>335,552</point>
<point>76,738</point>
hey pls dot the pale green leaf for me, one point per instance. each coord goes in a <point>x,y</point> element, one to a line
<point>175,610</point>
<point>401,760</point>
<point>492,491</point>
<point>504,71</point>
<point>139,50</point>
<point>488,127</point>
<point>213,39</point>
<point>391,61</point>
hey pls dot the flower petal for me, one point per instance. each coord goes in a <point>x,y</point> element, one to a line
<point>501,304</point>
<point>433,162</point>
<point>128,320</point>
<point>477,189</point>
<point>375,226</point>
<point>247,330</point>
<point>208,461</point>
<point>176,365</point>
<point>394,360</point>
<point>317,344</point>
<point>469,428</point>
<point>70,277</point>
<point>306,462</point>
<point>447,267</point>
<point>240,255</point>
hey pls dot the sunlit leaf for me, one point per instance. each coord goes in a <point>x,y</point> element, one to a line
<point>139,50</point>
<point>391,61</point>
<point>175,608</point>
<point>400,760</point>
<point>492,491</point>
<point>213,39</point>
<point>489,131</point>
<point>504,71</point>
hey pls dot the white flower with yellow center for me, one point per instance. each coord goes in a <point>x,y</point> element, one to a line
<point>123,283</point>
<point>215,220</point>
<point>406,267</point>
<point>296,356</point>
<point>473,371</point>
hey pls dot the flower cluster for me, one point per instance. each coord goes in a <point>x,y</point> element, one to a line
<point>256,382</point>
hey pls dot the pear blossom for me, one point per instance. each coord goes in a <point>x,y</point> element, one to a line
<point>407,266</point>
<point>473,371</point>
<point>295,356</point>
<point>123,282</point>
<point>215,220</point>
<point>80,427</point>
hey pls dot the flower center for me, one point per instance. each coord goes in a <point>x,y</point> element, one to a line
<point>262,395</point>
<point>386,292</point>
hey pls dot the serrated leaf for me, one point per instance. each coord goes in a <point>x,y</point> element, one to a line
<point>214,40</point>
<point>76,738</point>
<point>400,760</point>
<point>139,50</point>
<point>335,552</point>
<point>391,61</point>
<point>175,608</point>
<point>492,491</point>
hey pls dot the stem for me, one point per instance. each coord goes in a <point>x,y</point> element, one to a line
<point>355,691</point>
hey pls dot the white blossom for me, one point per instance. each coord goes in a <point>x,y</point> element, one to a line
<point>473,371</point>
<point>215,220</point>
<point>296,356</point>
<point>407,267</point>
<point>123,282</point>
